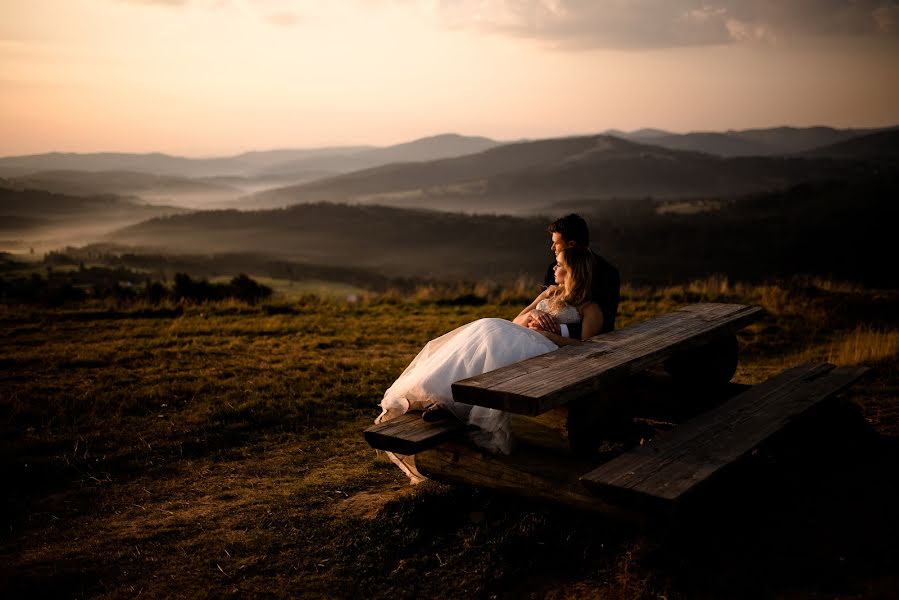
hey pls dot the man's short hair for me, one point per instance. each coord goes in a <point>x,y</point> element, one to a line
<point>572,228</point>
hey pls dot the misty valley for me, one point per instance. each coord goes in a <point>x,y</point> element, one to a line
<point>664,207</point>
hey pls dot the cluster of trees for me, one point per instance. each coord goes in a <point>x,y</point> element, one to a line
<point>241,288</point>
<point>59,288</point>
<point>163,267</point>
<point>38,290</point>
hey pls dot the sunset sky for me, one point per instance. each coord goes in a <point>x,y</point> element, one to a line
<point>216,77</point>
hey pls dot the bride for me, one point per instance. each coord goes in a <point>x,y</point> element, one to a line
<point>488,344</point>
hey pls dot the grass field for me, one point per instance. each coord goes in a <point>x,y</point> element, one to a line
<point>216,450</point>
<point>293,291</point>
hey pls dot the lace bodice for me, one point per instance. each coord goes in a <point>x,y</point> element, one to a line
<point>567,314</point>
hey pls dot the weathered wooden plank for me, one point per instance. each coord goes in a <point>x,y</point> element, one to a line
<point>667,332</point>
<point>528,472</point>
<point>678,461</point>
<point>548,431</point>
<point>702,446</point>
<point>717,421</point>
<point>409,434</point>
<point>538,384</point>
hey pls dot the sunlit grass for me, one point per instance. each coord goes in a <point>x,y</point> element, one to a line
<point>865,345</point>
<point>286,290</point>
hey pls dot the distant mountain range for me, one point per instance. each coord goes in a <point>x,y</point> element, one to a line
<point>453,172</point>
<point>821,203</point>
<point>265,164</point>
<point>147,186</point>
<point>528,176</point>
<point>777,141</point>
<point>306,164</point>
<point>40,212</point>
<point>880,147</point>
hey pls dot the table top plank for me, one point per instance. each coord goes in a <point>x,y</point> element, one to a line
<point>538,384</point>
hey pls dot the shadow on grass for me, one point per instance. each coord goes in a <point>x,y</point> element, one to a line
<point>457,541</point>
<point>47,480</point>
<point>813,513</point>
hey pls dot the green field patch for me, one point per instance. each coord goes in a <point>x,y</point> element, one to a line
<point>286,290</point>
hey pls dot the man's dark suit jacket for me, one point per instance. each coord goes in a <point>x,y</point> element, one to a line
<point>605,291</point>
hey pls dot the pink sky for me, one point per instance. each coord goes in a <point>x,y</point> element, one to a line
<point>215,77</point>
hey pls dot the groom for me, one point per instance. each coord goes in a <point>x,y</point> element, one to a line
<point>570,231</point>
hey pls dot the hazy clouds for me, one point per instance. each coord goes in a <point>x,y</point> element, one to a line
<point>664,23</point>
<point>223,76</point>
<point>609,23</point>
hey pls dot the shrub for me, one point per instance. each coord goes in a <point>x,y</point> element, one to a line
<point>247,290</point>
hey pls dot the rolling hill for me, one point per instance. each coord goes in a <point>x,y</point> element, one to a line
<point>719,144</point>
<point>159,164</point>
<point>830,229</point>
<point>529,176</point>
<point>149,187</point>
<point>775,141</point>
<point>388,241</point>
<point>294,165</point>
<point>880,146</point>
<point>61,207</point>
<point>821,212</point>
<point>43,220</point>
<point>425,149</point>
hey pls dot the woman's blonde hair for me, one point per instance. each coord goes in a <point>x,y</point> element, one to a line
<point>576,288</point>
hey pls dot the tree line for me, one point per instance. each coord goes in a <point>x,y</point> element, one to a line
<point>57,288</point>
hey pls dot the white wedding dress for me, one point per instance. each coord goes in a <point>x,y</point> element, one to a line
<point>473,349</point>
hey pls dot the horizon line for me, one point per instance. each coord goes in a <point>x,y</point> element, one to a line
<point>363,146</point>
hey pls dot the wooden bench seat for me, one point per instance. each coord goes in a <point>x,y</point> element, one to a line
<point>680,460</point>
<point>409,434</point>
<point>528,472</point>
<point>539,384</point>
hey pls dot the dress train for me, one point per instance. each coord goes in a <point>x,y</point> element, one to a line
<point>478,347</point>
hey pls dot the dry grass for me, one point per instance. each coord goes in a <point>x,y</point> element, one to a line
<point>522,290</point>
<point>865,345</point>
<point>215,450</point>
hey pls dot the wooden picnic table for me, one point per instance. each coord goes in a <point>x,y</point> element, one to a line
<point>560,401</point>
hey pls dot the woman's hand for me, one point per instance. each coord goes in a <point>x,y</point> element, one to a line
<point>524,317</point>
<point>542,321</point>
